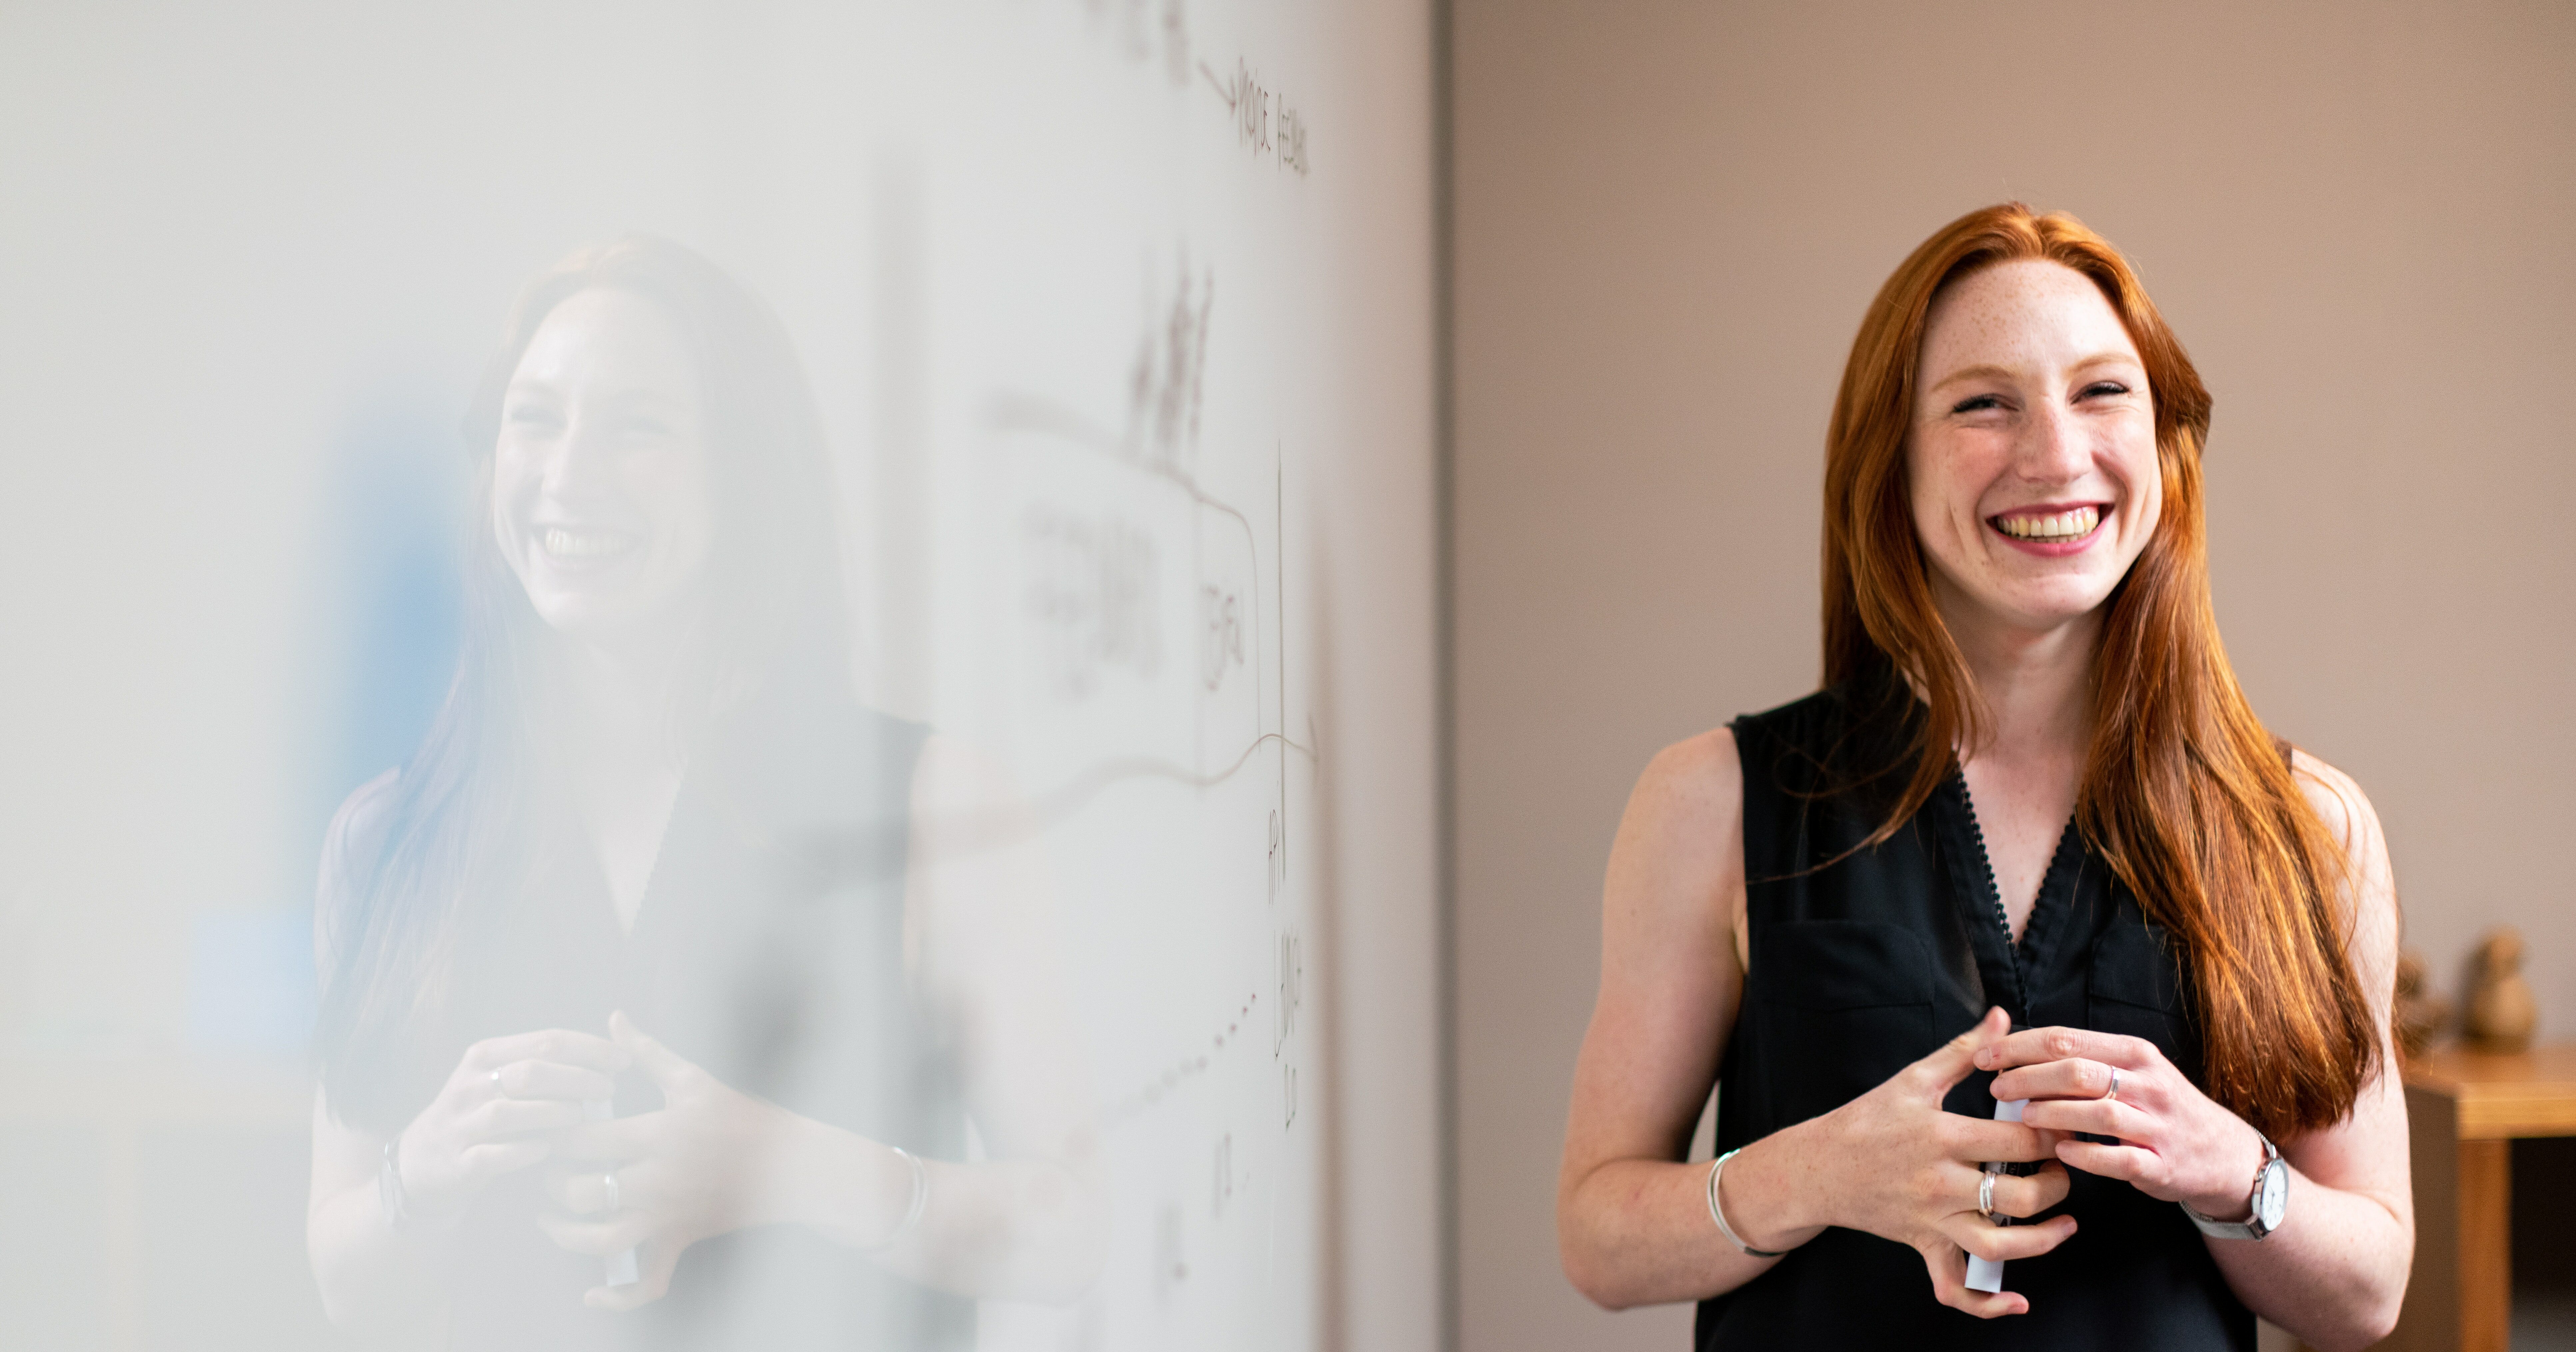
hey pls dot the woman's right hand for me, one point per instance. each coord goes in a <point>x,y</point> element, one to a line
<point>492,1116</point>
<point>1898,1166</point>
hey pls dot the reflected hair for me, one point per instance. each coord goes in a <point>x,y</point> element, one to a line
<point>416,855</point>
<point>2184,792</point>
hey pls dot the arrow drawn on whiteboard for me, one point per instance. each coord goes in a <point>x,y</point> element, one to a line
<point>1223,91</point>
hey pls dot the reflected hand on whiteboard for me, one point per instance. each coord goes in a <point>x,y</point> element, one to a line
<point>489,1119</point>
<point>693,1169</point>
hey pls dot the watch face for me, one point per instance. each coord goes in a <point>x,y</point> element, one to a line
<point>2275,1197</point>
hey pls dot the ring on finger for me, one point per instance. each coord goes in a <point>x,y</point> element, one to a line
<point>497,1090</point>
<point>1986,1195</point>
<point>609,1189</point>
<point>2114,1095</point>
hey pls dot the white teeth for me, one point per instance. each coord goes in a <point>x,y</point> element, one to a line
<point>2056,526</point>
<point>564,544</point>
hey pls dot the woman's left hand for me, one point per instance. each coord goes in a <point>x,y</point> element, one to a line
<point>696,1168</point>
<point>2174,1143</point>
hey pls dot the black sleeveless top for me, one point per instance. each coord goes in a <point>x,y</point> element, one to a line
<point>768,950</point>
<point>1862,964</point>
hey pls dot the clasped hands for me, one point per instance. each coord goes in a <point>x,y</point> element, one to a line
<point>1894,1164</point>
<point>703,1164</point>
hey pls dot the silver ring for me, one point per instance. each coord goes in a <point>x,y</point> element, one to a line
<point>1986,1195</point>
<point>2114,1095</point>
<point>609,1182</point>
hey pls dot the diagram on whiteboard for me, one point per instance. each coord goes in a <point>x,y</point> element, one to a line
<point>1120,544</point>
<point>1136,663</point>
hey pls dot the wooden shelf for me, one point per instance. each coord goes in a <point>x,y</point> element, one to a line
<point>2500,1097</point>
<point>2463,1111</point>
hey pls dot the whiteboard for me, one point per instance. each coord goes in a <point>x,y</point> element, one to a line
<point>1120,314</point>
<point>1113,567</point>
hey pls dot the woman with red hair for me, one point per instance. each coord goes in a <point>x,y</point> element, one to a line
<point>2029,852</point>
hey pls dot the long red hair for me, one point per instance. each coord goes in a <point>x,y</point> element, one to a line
<point>2184,793</point>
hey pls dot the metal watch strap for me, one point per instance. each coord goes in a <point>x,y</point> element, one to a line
<point>2252,1226</point>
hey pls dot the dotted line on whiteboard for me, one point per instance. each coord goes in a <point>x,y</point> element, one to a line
<point>1127,1109</point>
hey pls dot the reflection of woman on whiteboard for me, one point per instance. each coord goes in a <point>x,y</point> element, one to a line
<point>2029,849</point>
<point>650,982</point>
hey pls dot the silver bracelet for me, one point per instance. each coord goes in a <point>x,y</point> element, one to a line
<point>1720,1217</point>
<point>920,1198</point>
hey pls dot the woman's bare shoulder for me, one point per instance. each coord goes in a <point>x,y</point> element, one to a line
<point>1687,810</point>
<point>2340,801</point>
<point>1697,778</point>
<point>2354,823</point>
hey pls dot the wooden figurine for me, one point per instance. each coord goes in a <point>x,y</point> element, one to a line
<point>2501,1011</point>
<point>2421,1014</point>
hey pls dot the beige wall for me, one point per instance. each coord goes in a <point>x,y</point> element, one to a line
<point>1668,219</point>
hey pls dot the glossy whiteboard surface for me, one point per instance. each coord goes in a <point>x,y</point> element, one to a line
<point>1098,861</point>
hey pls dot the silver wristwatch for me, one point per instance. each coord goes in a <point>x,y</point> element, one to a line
<point>2271,1201</point>
<point>389,1187</point>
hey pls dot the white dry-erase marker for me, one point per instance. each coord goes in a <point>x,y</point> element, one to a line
<point>621,1264</point>
<point>1987,1274</point>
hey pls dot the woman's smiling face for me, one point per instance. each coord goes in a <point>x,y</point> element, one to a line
<point>2032,458</point>
<point>599,477</point>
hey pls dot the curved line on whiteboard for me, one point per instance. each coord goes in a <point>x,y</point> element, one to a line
<point>975,831</point>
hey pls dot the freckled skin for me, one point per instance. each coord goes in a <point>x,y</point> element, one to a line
<point>2030,394</point>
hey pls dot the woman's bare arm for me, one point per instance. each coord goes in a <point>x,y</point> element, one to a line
<point>371,1277</point>
<point>491,1118</point>
<point>2336,1270</point>
<point>1632,1221</point>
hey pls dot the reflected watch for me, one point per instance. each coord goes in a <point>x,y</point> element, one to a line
<point>2270,1201</point>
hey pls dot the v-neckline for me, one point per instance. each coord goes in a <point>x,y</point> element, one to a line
<point>623,924</point>
<point>1981,897</point>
